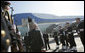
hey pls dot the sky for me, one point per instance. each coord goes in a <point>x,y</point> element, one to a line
<point>58,8</point>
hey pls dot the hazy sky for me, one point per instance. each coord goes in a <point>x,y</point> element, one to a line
<point>58,8</point>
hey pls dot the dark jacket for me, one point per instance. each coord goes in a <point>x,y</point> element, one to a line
<point>81,25</point>
<point>61,32</point>
<point>4,27</point>
<point>26,40</point>
<point>35,39</point>
<point>45,36</point>
<point>55,34</point>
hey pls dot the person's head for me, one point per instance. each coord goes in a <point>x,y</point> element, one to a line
<point>60,27</point>
<point>29,20</point>
<point>32,24</point>
<point>5,5</point>
<point>77,20</point>
<point>67,23</point>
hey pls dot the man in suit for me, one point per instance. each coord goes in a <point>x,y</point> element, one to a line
<point>81,31</point>
<point>55,35</point>
<point>46,39</point>
<point>62,37</point>
<point>71,38</point>
<point>26,41</point>
<point>73,28</point>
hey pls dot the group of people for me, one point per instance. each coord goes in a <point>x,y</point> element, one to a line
<point>36,41</point>
<point>66,35</point>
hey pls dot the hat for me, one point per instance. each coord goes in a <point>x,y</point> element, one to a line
<point>5,3</point>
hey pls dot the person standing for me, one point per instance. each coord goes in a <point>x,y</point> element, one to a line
<point>66,34</point>
<point>71,39</point>
<point>9,21</point>
<point>81,31</point>
<point>62,38</point>
<point>36,41</point>
<point>73,28</point>
<point>5,26</point>
<point>46,39</point>
<point>55,35</point>
<point>26,41</point>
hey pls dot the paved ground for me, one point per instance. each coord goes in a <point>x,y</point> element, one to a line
<point>53,45</point>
